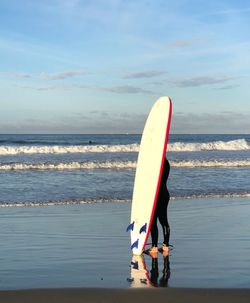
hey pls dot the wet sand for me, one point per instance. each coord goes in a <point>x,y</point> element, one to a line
<point>86,246</point>
<point>174,295</point>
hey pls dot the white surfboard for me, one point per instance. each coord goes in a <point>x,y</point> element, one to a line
<point>139,273</point>
<point>148,172</point>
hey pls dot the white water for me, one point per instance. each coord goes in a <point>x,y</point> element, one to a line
<point>122,165</point>
<point>57,149</point>
<point>119,200</point>
<point>234,145</point>
<point>211,163</point>
<point>70,165</point>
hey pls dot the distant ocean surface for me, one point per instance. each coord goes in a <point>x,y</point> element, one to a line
<point>75,169</point>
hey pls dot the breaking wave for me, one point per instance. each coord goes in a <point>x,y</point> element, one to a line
<point>62,202</point>
<point>118,200</point>
<point>211,163</point>
<point>70,165</point>
<point>240,144</point>
<point>121,165</point>
<point>234,145</point>
<point>57,149</point>
<point>212,196</point>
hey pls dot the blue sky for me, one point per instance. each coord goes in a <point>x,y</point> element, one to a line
<point>97,66</point>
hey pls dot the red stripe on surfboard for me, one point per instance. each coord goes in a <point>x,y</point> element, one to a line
<point>160,174</point>
<point>146,270</point>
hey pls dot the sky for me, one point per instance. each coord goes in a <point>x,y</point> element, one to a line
<point>98,66</point>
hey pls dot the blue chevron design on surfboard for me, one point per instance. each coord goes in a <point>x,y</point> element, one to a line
<point>135,244</point>
<point>143,228</point>
<point>131,226</point>
<point>135,265</point>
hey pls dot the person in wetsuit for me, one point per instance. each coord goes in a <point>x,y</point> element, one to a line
<point>154,273</point>
<point>161,214</point>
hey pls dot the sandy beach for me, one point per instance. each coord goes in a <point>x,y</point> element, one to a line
<point>80,253</point>
<point>86,246</point>
<point>174,295</point>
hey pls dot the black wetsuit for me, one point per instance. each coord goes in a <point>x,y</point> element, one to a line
<point>161,209</point>
<point>163,282</point>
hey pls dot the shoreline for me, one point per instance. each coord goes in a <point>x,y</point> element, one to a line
<point>68,247</point>
<point>174,295</point>
<point>208,197</point>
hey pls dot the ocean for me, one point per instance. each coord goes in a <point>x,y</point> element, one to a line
<point>77,169</point>
<point>81,188</point>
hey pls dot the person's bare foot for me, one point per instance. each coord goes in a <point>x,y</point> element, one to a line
<point>165,250</point>
<point>152,251</point>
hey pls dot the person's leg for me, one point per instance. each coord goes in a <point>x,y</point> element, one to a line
<point>153,250</point>
<point>154,272</point>
<point>166,273</point>
<point>162,214</point>
<point>154,231</point>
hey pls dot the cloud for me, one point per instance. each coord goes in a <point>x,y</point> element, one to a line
<point>117,123</point>
<point>100,113</point>
<point>97,122</point>
<point>44,75</point>
<point>231,11</point>
<point>23,75</point>
<point>54,87</point>
<point>145,74</point>
<point>127,89</point>
<point>229,86</point>
<point>223,122</point>
<point>199,81</point>
<point>16,75</point>
<point>61,75</point>
<point>61,87</point>
<point>179,44</point>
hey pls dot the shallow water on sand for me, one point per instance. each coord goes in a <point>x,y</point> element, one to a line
<point>86,246</point>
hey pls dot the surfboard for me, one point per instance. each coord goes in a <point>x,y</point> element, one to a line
<point>139,273</point>
<point>149,168</point>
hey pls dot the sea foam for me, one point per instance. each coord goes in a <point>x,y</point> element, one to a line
<point>57,149</point>
<point>234,145</point>
<point>121,165</point>
<point>240,144</point>
<point>70,165</point>
<point>120,200</point>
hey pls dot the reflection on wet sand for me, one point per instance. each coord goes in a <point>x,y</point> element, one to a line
<point>142,277</point>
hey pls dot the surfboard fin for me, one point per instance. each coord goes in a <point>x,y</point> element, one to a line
<point>143,228</point>
<point>131,226</point>
<point>135,244</point>
<point>135,265</point>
